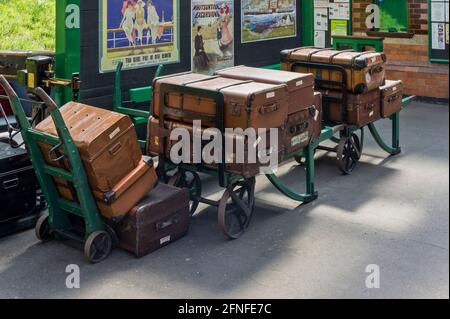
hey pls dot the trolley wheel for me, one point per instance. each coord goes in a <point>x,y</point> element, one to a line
<point>236,208</point>
<point>98,246</point>
<point>349,153</point>
<point>191,181</point>
<point>43,229</point>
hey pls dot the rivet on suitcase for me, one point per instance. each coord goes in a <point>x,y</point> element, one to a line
<point>157,220</point>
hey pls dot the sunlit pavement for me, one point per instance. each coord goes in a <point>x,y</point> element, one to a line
<point>391,213</point>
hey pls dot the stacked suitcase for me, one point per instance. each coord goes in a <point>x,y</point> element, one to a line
<point>124,183</point>
<point>353,84</point>
<point>254,98</point>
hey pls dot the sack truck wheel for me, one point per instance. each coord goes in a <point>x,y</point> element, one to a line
<point>236,208</point>
<point>349,153</point>
<point>191,181</point>
<point>43,230</point>
<point>98,246</point>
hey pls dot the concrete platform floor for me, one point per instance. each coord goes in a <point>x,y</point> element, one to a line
<point>392,212</point>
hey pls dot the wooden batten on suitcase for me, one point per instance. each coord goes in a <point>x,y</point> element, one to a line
<point>362,109</point>
<point>300,86</point>
<point>157,220</point>
<point>106,140</point>
<point>365,70</point>
<point>391,98</point>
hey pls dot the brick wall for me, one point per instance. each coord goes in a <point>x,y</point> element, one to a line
<point>408,58</point>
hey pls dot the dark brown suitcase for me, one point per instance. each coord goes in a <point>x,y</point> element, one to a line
<point>247,104</point>
<point>159,219</point>
<point>244,169</point>
<point>391,98</point>
<point>115,204</point>
<point>300,86</point>
<point>318,104</point>
<point>362,109</point>
<point>300,129</point>
<point>106,140</point>
<point>175,79</point>
<point>366,71</point>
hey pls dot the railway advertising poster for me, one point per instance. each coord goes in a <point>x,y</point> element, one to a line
<point>139,33</point>
<point>212,35</point>
<point>268,19</point>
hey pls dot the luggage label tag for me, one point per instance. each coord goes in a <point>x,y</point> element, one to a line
<point>299,83</point>
<point>114,133</point>
<point>165,240</point>
<point>300,139</point>
<point>368,78</point>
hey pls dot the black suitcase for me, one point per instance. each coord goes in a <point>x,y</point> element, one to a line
<point>18,190</point>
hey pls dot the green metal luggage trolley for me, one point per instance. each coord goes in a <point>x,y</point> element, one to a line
<point>63,215</point>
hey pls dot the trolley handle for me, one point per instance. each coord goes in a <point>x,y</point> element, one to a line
<point>46,99</point>
<point>8,88</point>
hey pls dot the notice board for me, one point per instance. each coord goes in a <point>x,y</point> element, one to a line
<point>438,30</point>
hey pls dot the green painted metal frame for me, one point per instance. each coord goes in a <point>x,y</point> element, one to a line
<point>59,208</point>
<point>137,95</point>
<point>68,45</point>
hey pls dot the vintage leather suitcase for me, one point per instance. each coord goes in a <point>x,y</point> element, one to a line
<point>303,127</point>
<point>300,86</point>
<point>122,197</point>
<point>247,104</point>
<point>18,185</point>
<point>106,140</point>
<point>362,109</point>
<point>175,79</point>
<point>391,98</point>
<point>366,71</point>
<point>246,169</point>
<point>157,220</point>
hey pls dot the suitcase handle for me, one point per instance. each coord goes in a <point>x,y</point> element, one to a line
<point>165,224</point>
<point>115,149</point>
<point>12,183</point>
<point>269,108</point>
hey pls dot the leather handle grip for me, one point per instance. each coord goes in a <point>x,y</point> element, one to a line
<point>46,99</point>
<point>169,222</point>
<point>269,108</point>
<point>115,149</point>
<point>8,88</point>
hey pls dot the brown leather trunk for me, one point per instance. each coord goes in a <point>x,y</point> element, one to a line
<point>245,169</point>
<point>362,109</point>
<point>247,104</point>
<point>301,129</point>
<point>175,79</point>
<point>106,140</point>
<point>159,219</point>
<point>300,86</point>
<point>121,199</point>
<point>366,71</point>
<point>391,98</point>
